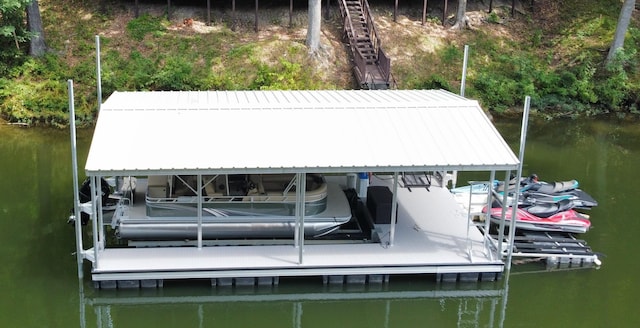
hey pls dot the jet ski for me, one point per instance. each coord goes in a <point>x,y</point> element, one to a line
<point>563,221</point>
<point>545,210</point>
<point>534,192</point>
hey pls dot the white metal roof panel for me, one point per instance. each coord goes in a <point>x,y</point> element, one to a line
<point>294,131</point>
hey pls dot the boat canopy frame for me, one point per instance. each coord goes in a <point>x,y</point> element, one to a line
<point>299,132</point>
<point>326,131</point>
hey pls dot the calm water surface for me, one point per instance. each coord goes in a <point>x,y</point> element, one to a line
<point>39,285</point>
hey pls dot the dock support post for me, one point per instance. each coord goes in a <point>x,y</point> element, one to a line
<point>503,213</point>
<point>301,186</point>
<point>74,169</point>
<point>199,211</point>
<point>487,216</point>
<point>523,139</point>
<point>394,207</point>
<point>464,69</point>
<point>100,245</point>
<point>95,199</point>
<point>98,73</point>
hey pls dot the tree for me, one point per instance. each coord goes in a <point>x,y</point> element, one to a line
<point>313,31</point>
<point>11,16</point>
<point>621,29</point>
<point>34,22</point>
<point>462,20</point>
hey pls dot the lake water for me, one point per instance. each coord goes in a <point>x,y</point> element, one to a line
<point>39,285</point>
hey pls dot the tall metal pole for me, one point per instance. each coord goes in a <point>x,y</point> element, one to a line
<point>96,199</point>
<point>505,196</point>
<point>487,218</point>
<point>98,74</point>
<point>76,191</point>
<point>199,211</point>
<point>301,186</point>
<point>523,139</point>
<point>464,69</point>
<point>394,206</point>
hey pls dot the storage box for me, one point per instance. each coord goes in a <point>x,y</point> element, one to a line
<point>379,199</point>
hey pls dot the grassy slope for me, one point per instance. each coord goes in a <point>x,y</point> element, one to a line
<point>511,56</point>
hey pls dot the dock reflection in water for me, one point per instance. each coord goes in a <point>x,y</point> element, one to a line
<point>403,302</point>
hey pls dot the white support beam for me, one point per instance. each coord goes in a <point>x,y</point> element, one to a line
<point>516,194</point>
<point>503,213</point>
<point>95,198</point>
<point>199,211</point>
<point>301,186</point>
<point>100,215</point>
<point>76,191</point>
<point>394,207</point>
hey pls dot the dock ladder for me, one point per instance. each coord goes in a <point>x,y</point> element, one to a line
<point>480,195</point>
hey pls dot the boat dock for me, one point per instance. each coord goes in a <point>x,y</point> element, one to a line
<point>411,143</point>
<point>431,237</point>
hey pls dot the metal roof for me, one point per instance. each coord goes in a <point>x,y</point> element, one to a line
<point>294,131</point>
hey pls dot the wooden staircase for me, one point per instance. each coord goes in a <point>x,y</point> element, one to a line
<point>372,67</point>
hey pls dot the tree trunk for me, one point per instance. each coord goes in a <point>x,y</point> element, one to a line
<point>461,15</point>
<point>621,28</point>
<point>313,31</point>
<point>34,21</point>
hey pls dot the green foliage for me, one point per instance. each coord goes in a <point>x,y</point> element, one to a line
<point>144,25</point>
<point>562,92</point>
<point>39,98</point>
<point>560,69</point>
<point>287,76</point>
<point>175,74</point>
<point>451,55</point>
<point>13,34</point>
<point>133,73</point>
<point>615,89</point>
<point>493,18</point>
<point>536,38</point>
<point>434,81</point>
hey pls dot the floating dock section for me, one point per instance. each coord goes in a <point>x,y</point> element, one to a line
<point>558,250</point>
<point>410,142</point>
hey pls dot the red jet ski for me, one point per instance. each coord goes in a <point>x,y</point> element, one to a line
<point>564,221</point>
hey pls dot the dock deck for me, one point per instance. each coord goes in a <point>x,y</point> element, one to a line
<point>432,236</point>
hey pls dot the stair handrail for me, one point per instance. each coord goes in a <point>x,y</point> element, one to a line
<point>384,62</point>
<point>357,56</point>
<point>373,33</point>
<point>345,13</point>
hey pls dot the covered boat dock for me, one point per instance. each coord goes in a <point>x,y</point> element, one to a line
<point>411,141</point>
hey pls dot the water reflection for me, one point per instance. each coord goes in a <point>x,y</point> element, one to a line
<point>40,286</point>
<point>403,302</point>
